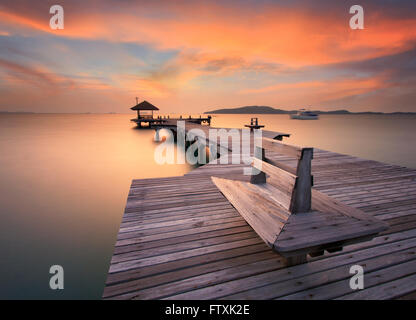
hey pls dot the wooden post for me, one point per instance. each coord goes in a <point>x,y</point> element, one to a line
<point>301,197</point>
<point>295,260</point>
<point>258,176</point>
<point>157,135</point>
<point>279,137</point>
<point>202,155</point>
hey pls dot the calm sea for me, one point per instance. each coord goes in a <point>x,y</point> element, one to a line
<point>64,180</point>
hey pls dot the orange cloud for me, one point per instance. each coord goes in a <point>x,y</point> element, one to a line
<point>317,92</point>
<point>40,77</point>
<point>293,36</point>
<point>32,75</point>
<point>12,18</point>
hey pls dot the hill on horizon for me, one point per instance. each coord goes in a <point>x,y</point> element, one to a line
<point>271,110</point>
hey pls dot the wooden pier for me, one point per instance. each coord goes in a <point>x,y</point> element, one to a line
<point>146,117</point>
<point>180,238</point>
<point>166,121</point>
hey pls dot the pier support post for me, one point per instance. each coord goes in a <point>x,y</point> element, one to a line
<point>157,135</point>
<point>202,155</point>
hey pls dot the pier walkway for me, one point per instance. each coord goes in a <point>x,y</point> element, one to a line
<point>180,238</point>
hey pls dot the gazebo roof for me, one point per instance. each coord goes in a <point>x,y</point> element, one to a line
<point>144,105</point>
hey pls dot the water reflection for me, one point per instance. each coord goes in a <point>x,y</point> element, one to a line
<point>64,183</point>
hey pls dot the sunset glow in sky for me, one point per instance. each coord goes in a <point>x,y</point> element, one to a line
<point>193,56</point>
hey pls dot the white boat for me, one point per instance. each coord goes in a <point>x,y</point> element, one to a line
<point>303,114</point>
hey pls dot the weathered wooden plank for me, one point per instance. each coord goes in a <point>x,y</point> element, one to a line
<point>141,238</point>
<point>277,177</point>
<point>306,282</point>
<point>131,264</point>
<point>153,225</point>
<point>164,291</point>
<point>322,202</point>
<point>134,285</point>
<point>147,219</point>
<point>254,287</point>
<point>181,239</point>
<point>256,206</point>
<point>182,246</point>
<point>199,207</point>
<point>372,278</point>
<point>167,230</point>
<point>408,296</point>
<point>389,290</point>
<point>184,264</point>
<point>280,147</point>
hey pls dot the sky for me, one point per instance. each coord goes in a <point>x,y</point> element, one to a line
<point>194,56</point>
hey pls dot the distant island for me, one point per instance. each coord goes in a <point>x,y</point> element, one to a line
<point>270,110</point>
<point>29,112</point>
<point>24,112</point>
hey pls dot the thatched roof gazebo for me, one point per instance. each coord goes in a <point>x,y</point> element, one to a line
<point>144,106</point>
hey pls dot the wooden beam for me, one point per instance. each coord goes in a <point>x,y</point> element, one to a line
<point>279,147</point>
<point>281,179</point>
<point>281,165</point>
